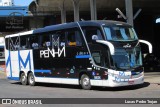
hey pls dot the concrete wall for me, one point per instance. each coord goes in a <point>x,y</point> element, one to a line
<point>36,22</point>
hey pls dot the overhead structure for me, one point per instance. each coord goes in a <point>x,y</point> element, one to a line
<point>76,9</point>
<point>129,11</point>
<point>95,6</point>
<point>61,5</point>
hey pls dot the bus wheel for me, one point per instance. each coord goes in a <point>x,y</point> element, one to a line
<point>85,82</point>
<point>23,79</point>
<point>31,79</point>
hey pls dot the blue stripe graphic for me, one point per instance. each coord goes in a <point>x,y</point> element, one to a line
<point>24,63</point>
<point>56,77</point>
<point>136,73</point>
<point>9,62</point>
<point>8,59</point>
<point>14,78</point>
<point>43,71</point>
<point>82,56</point>
<point>19,61</point>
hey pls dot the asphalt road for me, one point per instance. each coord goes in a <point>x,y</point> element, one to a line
<point>12,89</point>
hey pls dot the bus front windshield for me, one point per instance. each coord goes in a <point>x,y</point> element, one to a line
<point>120,33</point>
<point>127,58</point>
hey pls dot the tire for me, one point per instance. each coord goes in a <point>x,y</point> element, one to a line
<point>85,82</point>
<point>23,79</point>
<point>31,79</point>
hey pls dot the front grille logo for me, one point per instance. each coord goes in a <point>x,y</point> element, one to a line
<point>127,46</point>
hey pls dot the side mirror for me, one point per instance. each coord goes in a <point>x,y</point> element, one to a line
<point>147,43</point>
<point>109,44</point>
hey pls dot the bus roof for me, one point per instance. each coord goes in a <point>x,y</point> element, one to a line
<point>74,24</point>
<point>20,34</point>
<point>69,25</point>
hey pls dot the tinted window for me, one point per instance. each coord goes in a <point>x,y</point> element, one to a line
<point>7,43</point>
<point>44,40</point>
<point>14,43</point>
<point>34,41</point>
<point>58,39</point>
<point>120,33</point>
<point>90,31</point>
<point>74,37</point>
<point>24,43</point>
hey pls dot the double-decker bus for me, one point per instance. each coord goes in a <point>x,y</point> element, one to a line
<point>86,53</point>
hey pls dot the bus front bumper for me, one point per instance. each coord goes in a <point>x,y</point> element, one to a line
<point>116,80</point>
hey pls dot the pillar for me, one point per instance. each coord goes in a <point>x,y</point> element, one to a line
<point>63,10</point>
<point>129,11</point>
<point>93,9</point>
<point>76,9</point>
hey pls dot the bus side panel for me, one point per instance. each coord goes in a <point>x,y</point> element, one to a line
<point>12,68</point>
<point>17,61</point>
<point>72,81</point>
<point>8,66</point>
<point>26,61</point>
<point>14,63</point>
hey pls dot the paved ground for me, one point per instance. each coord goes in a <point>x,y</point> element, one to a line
<point>12,89</point>
<point>152,77</point>
<point>2,75</point>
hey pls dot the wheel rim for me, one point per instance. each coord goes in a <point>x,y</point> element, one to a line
<point>31,79</point>
<point>23,78</point>
<point>86,81</point>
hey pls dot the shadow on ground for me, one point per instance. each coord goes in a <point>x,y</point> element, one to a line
<point>124,88</point>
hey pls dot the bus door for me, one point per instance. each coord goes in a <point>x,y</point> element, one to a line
<point>99,53</point>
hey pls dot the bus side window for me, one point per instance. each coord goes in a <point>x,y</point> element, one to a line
<point>58,39</point>
<point>24,44</point>
<point>7,43</point>
<point>74,37</point>
<point>90,31</point>
<point>62,40</point>
<point>71,38</point>
<point>14,43</point>
<point>34,42</point>
<point>78,37</point>
<point>45,40</point>
<point>97,57</point>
